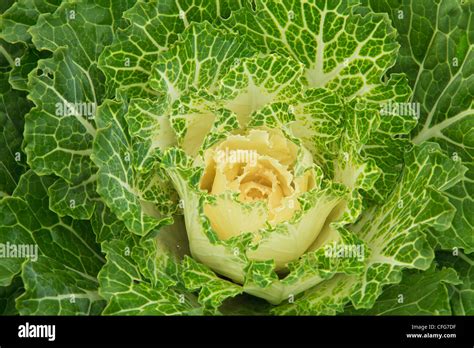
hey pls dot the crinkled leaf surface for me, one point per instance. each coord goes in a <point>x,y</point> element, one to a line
<point>153,27</point>
<point>66,90</point>
<point>462,295</point>
<point>437,54</point>
<point>395,234</point>
<point>341,50</point>
<point>127,95</point>
<point>60,275</point>
<point>419,293</point>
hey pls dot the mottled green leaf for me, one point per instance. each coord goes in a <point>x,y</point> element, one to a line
<point>66,90</point>
<point>437,54</point>
<point>462,295</point>
<point>419,293</point>
<point>60,269</point>
<point>153,27</point>
<point>129,293</point>
<point>341,50</point>
<point>8,294</point>
<point>395,234</point>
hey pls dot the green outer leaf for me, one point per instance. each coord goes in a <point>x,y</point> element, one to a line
<point>436,55</point>
<point>158,258</point>
<point>13,106</point>
<point>128,293</point>
<point>53,289</point>
<point>154,26</point>
<point>23,14</point>
<point>76,200</point>
<point>11,232</point>
<point>56,142</point>
<point>213,290</point>
<point>148,123</point>
<point>326,298</point>
<point>5,5</point>
<point>462,295</point>
<point>419,293</point>
<point>8,294</point>
<point>26,63</point>
<point>67,259</point>
<point>197,61</point>
<point>389,141</point>
<point>106,225</point>
<point>67,153</point>
<point>118,180</point>
<point>21,60</point>
<point>312,33</point>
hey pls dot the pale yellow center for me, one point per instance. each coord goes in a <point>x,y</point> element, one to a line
<point>257,166</point>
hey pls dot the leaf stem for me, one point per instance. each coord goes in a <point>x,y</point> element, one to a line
<point>465,258</point>
<point>6,55</point>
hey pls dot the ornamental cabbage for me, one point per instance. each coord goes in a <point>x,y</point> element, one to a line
<point>236,157</point>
